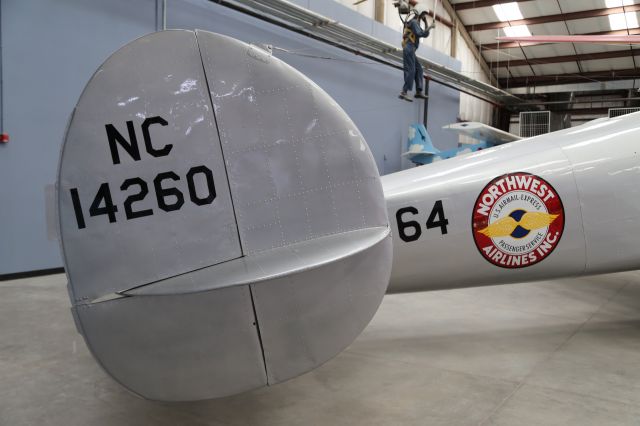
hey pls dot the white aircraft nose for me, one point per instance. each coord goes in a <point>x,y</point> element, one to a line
<point>222,226</point>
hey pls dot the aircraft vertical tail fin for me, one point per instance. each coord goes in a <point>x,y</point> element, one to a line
<point>209,250</point>
<point>419,142</point>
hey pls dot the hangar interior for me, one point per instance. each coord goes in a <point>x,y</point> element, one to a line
<point>552,351</point>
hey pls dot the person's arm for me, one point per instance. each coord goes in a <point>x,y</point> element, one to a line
<point>418,31</point>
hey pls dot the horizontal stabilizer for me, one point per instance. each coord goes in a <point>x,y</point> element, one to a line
<point>483,132</point>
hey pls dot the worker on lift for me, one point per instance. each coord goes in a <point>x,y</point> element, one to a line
<point>411,36</point>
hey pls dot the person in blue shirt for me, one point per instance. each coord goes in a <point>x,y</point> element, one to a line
<point>411,36</point>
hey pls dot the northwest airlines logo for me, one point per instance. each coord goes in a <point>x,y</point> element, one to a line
<point>518,220</point>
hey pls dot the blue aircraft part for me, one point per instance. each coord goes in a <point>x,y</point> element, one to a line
<point>419,137</point>
<point>421,150</point>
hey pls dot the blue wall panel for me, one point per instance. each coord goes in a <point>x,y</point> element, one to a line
<point>45,68</point>
<point>50,48</point>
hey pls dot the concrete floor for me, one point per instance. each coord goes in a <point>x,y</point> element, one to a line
<point>565,352</point>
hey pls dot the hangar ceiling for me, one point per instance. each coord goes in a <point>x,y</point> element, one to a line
<point>589,77</point>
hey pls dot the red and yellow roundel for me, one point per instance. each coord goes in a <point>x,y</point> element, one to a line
<point>517,220</point>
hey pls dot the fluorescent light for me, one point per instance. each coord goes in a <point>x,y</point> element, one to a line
<point>517,31</point>
<point>632,19</point>
<point>618,3</point>
<point>511,12</point>
<point>617,21</point>
<point>622,21</point>
<point>507,11</point>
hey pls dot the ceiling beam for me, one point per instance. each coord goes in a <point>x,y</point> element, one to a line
<point>583,14</point>
<point>583,87</point>
<point>585,111</point>
<point>440,19</point>
<point>585,77</point>
<point>516,44</point>
<point>579,100</point>
<point>482,3</point>
<point>568,58</point>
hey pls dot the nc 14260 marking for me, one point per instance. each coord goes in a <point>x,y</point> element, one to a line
<point>168,198</point>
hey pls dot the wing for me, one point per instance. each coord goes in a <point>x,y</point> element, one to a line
<point>483,132</point>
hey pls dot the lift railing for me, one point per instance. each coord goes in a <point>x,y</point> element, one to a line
<point>319,27</point>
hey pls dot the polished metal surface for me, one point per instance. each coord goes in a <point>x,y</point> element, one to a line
<point>266,265</point>
<point>299,168</point>
<point>606,164</point>
<point>155,76</point>
<point>311,317</point>
<point>182,347</point>
<point>595,170</point>
<point>222,219</point>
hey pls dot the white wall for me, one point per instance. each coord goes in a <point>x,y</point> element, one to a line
<point>472,109</point>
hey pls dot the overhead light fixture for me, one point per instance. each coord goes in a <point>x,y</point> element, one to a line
<point>622,21</point>
<point>618,3</point>
<point>517,31</point>
<point>507,11</point>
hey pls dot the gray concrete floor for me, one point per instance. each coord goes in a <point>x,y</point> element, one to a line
<point>565,352</point>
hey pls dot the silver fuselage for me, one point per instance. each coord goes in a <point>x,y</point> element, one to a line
<point>595,169</point>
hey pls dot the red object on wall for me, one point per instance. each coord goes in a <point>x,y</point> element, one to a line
<point>4,137</point>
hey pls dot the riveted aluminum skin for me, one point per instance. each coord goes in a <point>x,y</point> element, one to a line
<point>271,277</point>
<point>289,149</point>
<point>594,168</point>
<point>155,76</point>
<point>299,170</point>
<point>606,164</point>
